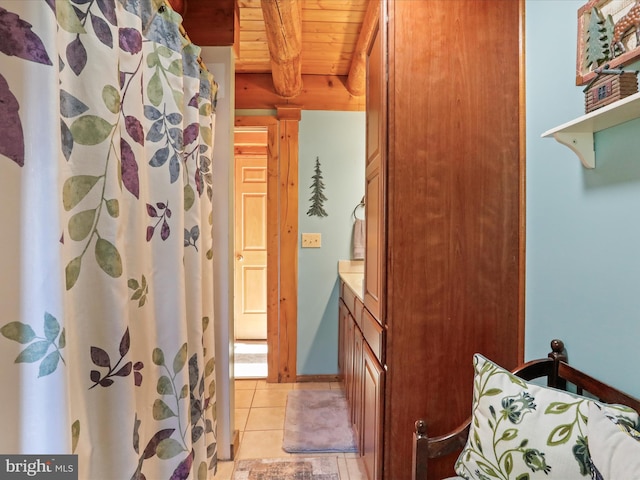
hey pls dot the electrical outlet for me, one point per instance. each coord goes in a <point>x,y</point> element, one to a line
<point>311,240</point>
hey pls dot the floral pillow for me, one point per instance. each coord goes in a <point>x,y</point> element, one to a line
<point>524,431</point>
<point>614,447</point>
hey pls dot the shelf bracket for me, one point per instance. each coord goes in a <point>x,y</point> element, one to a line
<point>582,145</point>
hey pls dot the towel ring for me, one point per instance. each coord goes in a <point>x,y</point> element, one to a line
<point>355,210</point>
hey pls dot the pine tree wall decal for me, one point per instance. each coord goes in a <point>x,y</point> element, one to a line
<point>317,197</point>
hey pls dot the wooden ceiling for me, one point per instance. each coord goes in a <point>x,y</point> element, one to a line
<point>310,53</point>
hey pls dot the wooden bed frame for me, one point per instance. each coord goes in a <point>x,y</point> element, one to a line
<point>559,375</point>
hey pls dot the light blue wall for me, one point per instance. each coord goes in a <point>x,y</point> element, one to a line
<point>583,226</point>
<point>338,139</point>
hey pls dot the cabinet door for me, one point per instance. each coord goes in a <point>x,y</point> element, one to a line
<point>358,386</point>
<point>374,173</point>
<point>372,405</point>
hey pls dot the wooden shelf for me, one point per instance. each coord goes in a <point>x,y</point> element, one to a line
<point>578,134</point>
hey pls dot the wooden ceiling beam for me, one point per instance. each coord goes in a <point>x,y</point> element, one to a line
<point>283,23</point>
<point>356,80</point>
<point>320,92</point>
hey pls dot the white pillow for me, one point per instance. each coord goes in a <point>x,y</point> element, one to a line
<point>520,430</point>
<point>614,446</point>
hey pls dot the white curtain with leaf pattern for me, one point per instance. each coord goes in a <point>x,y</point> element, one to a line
<point>106,295</point>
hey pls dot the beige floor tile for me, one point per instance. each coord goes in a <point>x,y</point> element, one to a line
<point>245,384</point>
<point>264,385</point>
<point>262,444</point>
<point>270,398</point>
<point>312,386</point>
<point>355,468</point>
<point>225,470</point>
<point>266,418</point>
<point>244,398</point>
<point>241,415</point>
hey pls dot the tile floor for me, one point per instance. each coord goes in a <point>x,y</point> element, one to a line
<point>259,416</point>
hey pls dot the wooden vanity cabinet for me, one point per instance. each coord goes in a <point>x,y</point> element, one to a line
<point>363,376</point>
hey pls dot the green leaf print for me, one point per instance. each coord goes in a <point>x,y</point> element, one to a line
<point>90,130</point>
<point>75,435</point>
<point>180,359</point>
<point>157,357</point>
<point>72,272</point>
<point>175,67</point>
<point>75,189</point>
<point>81,224</point>
<point>154,89</point>
<point>161,410</point>
<point>113,207</point>
<point>51,327</point>
<point>164,387</point>
<point>111,98</point>
<point>169,448</point>
<point>189,197</point>
<point>49,364</point>
<point>67,18</point>
<point>18,332</point>
<point>108,258</point>
<point>33,352</point>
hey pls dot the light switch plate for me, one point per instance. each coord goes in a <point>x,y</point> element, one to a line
<point>311,240</point>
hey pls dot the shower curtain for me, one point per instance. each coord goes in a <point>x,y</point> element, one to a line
<point>106,295</point>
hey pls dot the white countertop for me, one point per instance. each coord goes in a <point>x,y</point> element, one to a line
<point>351,272</point>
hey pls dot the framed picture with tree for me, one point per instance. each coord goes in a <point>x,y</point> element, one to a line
<point>608,34</point>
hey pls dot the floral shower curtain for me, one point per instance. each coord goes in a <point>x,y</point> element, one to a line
<point>106,295</point>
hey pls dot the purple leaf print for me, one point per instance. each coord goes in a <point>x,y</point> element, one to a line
<point>124,371</point>
<point>102,30</point>
<point>152,446</point>
<point>105,382</point>
<point>129,169</point>
<point>183,469</point>
<point>137,377</point>
<point>108,9</point>
<point>168,212</point>
<point>151,211</point>
<point>52,4</point>
<point>125,342</point>
<point>194,100</point>
<point>76,55</point>
<point>95,376</point>
<point>100,358</point>
<point>134,129</point>
<point>17,39</point>
<point>191,133</point>
<point>12,139</point>
<point>130,40</point>
<point>150,231</point>
<point>165,230</point>
<point>199,182</point>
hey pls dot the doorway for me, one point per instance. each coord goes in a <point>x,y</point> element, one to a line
<point>250,269</point>
<point>281,234</point>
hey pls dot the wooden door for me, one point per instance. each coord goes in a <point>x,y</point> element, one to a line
<point>250,244</point>
<point>374,173</point>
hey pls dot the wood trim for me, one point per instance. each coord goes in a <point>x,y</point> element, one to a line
<point>274,319</point>
<point>522,175</point>
<point>319,92</point>
<point>288,199</point>
<point>357,79</point>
